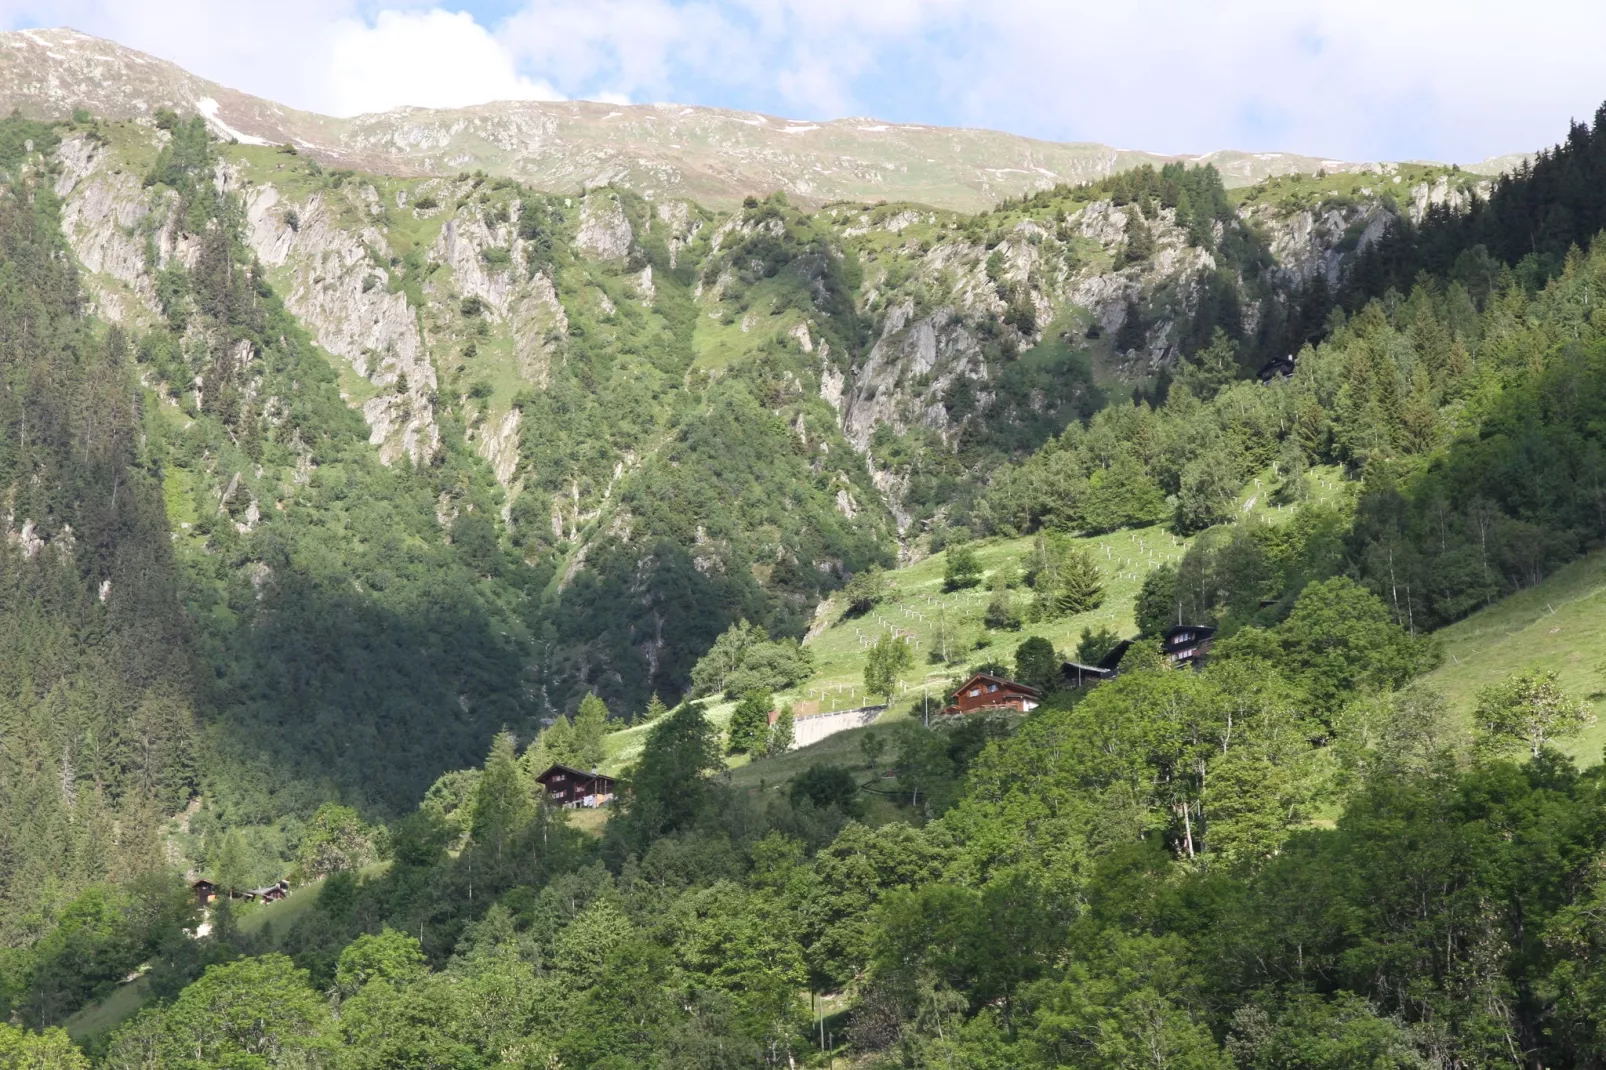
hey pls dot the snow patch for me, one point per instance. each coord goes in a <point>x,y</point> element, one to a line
<point>209,108</point>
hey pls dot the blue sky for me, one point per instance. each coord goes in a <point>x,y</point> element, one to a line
<point>1349,79</point>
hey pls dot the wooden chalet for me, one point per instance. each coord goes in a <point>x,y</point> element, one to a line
<point>1075,674</point>
<point>207,891</point>
<point>1187,644</point>
<point>987,692</point>
<point>570,787</point>
<point>270,894</point>
<point>1278,368</point>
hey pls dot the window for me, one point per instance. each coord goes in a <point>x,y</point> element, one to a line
<point>974,692</point>
<point>991,688</point>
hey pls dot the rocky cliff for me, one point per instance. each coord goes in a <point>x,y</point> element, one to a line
<point>487,302</point>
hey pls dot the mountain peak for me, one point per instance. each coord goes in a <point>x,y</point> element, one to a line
<point>661,150</point>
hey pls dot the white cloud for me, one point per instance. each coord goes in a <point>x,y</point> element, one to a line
<point>1357,79</point>
<point>429,59</point>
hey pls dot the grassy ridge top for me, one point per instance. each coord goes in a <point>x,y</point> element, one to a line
<point>1557,625</point>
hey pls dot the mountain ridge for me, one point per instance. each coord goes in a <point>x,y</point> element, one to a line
<point>663,151</point>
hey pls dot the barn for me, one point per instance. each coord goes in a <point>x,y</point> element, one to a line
<point>568,786</point>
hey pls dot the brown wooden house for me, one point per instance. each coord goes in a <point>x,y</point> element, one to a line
<point>1186,645</point>
<point>568,786</point>
<point>985,691</point>
<point>205,891</point>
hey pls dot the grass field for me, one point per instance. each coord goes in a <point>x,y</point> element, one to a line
<point>1558,625</point>
<point>919,606</point>
<point>109,1013</point>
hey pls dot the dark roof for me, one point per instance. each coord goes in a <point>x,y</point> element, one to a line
<point>1278,366</point>
<point>1117,652</point>
<point>1195,633</point>
<point>203,882</point>
<point>1076,668</point>
<point>589,774</point>
<point>1001,681</point>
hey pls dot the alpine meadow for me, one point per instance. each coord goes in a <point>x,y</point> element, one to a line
<point>456,612</point>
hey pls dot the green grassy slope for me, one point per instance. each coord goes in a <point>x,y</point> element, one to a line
<point>919,606</point>
<point>1558,625</point>
<point>918,603</point>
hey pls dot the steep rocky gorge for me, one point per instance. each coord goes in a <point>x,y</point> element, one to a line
<point>462,294</point>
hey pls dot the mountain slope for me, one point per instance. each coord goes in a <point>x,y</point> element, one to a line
<point>663,152</point>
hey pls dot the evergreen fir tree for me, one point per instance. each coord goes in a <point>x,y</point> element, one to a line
<point>502,799</point>
<point>1081,584</point>
<point>590,728</point>
<point>558,742</point>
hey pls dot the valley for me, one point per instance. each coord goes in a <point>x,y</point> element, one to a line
<point>351,487</point>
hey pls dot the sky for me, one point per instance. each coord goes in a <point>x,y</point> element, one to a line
<point>1450,80</point>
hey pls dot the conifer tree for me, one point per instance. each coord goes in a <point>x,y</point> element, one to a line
<point>1081,584</point>
<point>590,729</point>
<point>558,743</point>
<point>502,799</point>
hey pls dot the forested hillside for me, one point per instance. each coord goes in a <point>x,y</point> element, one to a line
<point>321,486</point>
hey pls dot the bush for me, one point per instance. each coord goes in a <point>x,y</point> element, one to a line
<point>426,203</point>
<point>827,785</point>
<point>962,568</point>
<point>865,591</point>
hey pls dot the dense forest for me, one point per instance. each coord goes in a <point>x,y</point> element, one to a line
<point>241,644</point>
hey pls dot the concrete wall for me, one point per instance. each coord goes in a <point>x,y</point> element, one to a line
<point>813,729</point>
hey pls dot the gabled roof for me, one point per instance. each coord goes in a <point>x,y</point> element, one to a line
<point>1073,668</point>
<point>1112,660</point>
<point>988,677</point>
<point>587,774</point>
